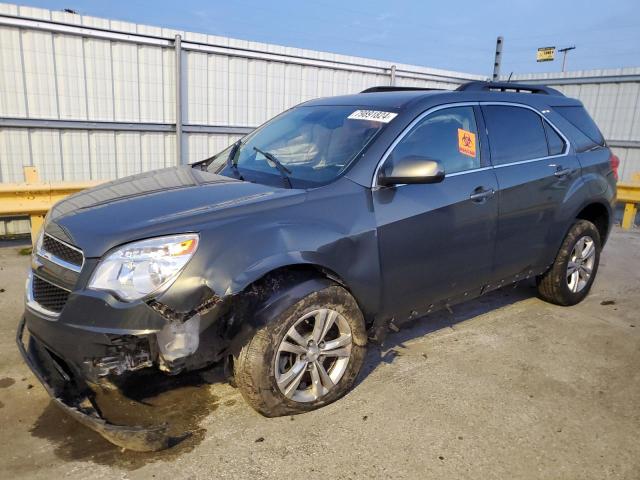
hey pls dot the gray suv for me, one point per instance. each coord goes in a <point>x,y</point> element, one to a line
<point>281,256</point>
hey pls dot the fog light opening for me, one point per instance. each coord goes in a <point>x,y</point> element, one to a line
<point>177,341</point>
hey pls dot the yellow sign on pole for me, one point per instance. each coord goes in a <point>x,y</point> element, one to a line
<point>545,54</point>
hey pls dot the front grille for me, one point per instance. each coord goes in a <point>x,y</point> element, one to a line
<point>48,295</point>
<point>62,251</point>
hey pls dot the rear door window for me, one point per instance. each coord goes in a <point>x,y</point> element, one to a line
<point>515,134</point>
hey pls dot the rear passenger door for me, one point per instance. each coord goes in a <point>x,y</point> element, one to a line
<point>534,170</point>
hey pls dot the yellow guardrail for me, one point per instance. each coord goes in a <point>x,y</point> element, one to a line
<point>629,194</point>
<point>35,198</point>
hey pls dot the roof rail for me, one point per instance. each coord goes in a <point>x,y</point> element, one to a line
<point>507,87</point>
<point>388,88</point>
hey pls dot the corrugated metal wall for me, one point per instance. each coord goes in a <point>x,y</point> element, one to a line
<point>82,69</point>
<point>86,98</point>
<point>90,98</point>
<point>612,97</point>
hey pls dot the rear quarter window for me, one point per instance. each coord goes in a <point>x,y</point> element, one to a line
<point>580,119</point>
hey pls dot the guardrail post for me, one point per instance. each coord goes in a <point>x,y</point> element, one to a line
<point>630,212</point>
<point>37,220</point>
<point>629,194</point>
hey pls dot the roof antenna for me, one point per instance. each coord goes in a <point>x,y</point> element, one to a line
<point>509,79</point>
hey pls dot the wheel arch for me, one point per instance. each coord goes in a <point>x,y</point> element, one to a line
<point>273,293</point>
<point>598,211</point>
<point>600,215</point>
<point>304,266</point>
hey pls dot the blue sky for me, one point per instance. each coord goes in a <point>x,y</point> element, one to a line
<point>454,35</point>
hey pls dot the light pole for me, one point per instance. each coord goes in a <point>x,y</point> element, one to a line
<point>564,54</point>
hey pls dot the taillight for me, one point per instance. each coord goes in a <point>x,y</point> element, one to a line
<point>615,163</point>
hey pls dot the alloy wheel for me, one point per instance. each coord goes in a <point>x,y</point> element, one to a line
<point>313,355</point>
<point>581,263</point>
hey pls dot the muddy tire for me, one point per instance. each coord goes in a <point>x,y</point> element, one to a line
<point>266,371</point>
<point>571,276</point>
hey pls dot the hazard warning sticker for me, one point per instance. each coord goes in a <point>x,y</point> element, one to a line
<point>373,115</point>
<point>467,142</point>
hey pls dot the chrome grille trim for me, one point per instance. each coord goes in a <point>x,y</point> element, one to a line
<point>35,306</point>
<point>41,252</point>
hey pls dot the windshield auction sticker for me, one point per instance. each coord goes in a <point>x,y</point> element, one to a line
<point>467,142</point>
<point>373,115</point>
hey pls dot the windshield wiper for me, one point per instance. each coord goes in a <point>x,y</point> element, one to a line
<point>284,171</point>
<point>232,162</point>
<point>204,164</point>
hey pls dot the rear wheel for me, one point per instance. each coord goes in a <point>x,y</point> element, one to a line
<point>304,358</point>
<point>571,276</point>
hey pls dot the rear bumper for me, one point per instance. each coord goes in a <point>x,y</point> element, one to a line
<point>71,393</point>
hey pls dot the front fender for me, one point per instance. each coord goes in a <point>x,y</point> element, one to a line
<point>274,262</point>
<point>333,230</point>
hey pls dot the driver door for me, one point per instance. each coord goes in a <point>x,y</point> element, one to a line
<point>436,241</point>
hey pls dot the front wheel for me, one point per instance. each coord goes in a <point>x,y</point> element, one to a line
<point>304,358</point>
<point>571,276</point>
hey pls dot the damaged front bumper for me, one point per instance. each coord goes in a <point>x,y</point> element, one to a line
<point>74,397</point>
<point>75,354</point>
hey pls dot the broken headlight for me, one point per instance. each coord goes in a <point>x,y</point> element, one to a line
<point>138,269</point>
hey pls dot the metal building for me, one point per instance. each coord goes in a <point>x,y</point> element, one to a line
<point>90,98</point>
<point>85,98</point>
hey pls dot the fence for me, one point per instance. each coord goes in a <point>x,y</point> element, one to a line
<point>85,98</point>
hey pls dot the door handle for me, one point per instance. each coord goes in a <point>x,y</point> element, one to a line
<point>560,172</point>
<point>479,194</point>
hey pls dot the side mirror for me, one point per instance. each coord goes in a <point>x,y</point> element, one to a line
<point>410,169</point>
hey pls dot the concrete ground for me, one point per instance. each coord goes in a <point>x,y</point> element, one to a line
<point>505,387</point>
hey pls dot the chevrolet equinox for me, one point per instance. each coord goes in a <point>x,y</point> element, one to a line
<point>282,255</point>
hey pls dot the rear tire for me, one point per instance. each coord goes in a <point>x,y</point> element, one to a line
<point>265,364</point>
<point>571,276</point>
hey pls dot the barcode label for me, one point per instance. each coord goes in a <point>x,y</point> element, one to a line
<point>373,115</point>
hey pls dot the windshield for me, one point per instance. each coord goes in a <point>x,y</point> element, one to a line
<point>303,147</point>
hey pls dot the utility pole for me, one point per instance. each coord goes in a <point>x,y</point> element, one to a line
<point>178,79</point>
<point>497,60</point>
<point>564,54</point>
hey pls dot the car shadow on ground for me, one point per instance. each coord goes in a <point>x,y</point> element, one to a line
<point>408,330</point>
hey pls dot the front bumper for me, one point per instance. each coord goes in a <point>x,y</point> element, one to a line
<point>73,395</point>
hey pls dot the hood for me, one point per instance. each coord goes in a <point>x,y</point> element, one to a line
<point>172,200</point>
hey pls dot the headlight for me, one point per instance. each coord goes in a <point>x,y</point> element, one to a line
<point>140,268</point>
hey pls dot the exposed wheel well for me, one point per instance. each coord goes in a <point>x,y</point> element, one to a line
<point>303,269</point>
<point>597,214</point>
<point>298,272</point>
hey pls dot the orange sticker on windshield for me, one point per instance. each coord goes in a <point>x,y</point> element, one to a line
<point>467,142</point>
